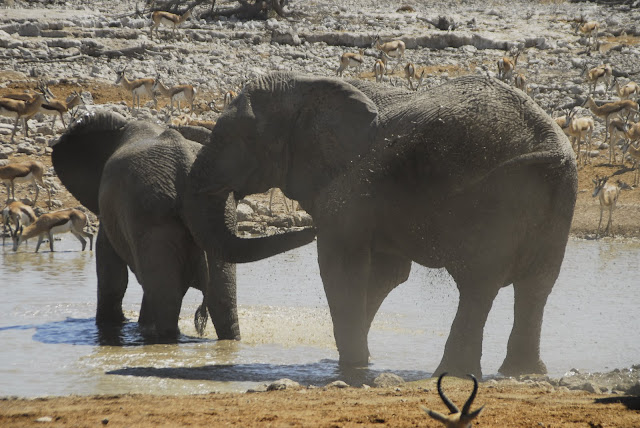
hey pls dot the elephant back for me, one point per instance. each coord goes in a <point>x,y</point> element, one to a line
<point>152,164</point>
<point>471,125</point>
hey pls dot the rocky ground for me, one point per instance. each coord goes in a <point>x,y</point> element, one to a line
<point>79,45</point>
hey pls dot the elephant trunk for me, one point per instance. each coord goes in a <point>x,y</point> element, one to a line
<point>218,236</point>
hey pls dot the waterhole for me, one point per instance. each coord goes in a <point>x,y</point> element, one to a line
<point>49,344</point>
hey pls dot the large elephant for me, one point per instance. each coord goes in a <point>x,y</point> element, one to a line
<point>134,175</point>
<point>471,176</point>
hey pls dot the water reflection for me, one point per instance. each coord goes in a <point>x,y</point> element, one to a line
<point>83,331</point>
<point>55,264</point>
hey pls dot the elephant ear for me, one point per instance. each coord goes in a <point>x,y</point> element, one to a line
<point>335,124</point>
<point>81,153</point>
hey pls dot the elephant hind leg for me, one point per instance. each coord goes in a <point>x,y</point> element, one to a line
<point>221,298</point>
<point>463,349</point>
<point>160,260</point>
<point>523,349</point>
<point>387,272</point>
<point>112,282</point>
<point>162,298</point>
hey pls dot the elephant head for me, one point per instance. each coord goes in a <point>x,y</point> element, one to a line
<point>289,131</point>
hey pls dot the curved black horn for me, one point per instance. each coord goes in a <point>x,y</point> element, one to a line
<point>452,407</point>
<point>467,405</point>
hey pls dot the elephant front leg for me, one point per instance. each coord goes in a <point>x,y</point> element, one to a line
<point>112,282</point>
<point>345,275</point>
<point>463,349</point>
<point>222,298</point>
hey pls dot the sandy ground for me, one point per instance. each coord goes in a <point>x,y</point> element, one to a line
<point>507,404</point>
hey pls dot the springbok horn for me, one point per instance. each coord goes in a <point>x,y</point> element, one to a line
<point>452,407</point>
<point>467,405</point>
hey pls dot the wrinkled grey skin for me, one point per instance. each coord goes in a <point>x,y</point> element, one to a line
<point>471,176</point>
<point>134,175</point>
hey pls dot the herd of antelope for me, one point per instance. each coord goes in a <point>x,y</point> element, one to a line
<point>19,219</point>
<point>387,51</point>
<point>617,113</point>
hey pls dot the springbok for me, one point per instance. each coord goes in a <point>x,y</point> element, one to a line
<point>28,96</point>
<point>608,194</point>
<point>633,134</point>
<point>601,73</point>
<point>625,91</point>
<point>21,110</point>
<point>457,418</point>
<point>520,81</point>
<point>57,107</point>
<point>350,59</point>
<point>137,87</point>
<point>17,213</point>
<point>168,19</point>
<point>228,97</point>
<point>49,224</point>
<point>22,172</point>
<point>185,120</point>
<point>410,73</point>
<point>380,68</point>
<point>589,29</point>
<point>607,110</point>
<point>617,130</point>
<point>507,66</point>
<point>177,93</point>
<point>577,129</point>
<point>635,158</point>
<point>393,49</point>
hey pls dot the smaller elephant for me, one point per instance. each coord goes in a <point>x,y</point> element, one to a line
<point>133,175</point>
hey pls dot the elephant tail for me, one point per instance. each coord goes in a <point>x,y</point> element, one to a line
<point>79,156</point>
<point>201,316</point>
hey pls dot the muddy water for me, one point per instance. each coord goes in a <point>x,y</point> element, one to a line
<point>50,346</point>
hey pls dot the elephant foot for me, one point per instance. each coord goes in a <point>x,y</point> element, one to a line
<point>109,318</point>
<point>353,349</point>
<point>152,336</point>
<point>227,331</point>
<point>521,366</point>
<point>353,359</point>
<point>353,364</point>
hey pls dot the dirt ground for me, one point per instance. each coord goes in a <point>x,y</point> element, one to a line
<point>507,404</point>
